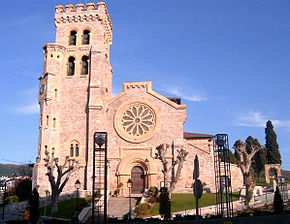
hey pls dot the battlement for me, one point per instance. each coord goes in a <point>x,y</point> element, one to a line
<point>81,13</point>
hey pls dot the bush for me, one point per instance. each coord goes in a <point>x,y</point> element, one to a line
<point>153,191</point>
<point>143,209</point>
<point>13,199</point>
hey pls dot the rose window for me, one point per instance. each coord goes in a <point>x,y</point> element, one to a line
<point>135,122</point>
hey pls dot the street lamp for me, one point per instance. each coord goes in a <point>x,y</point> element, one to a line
<point>147,173</point>
<point>100,140</point>
<point>129,185</point>
<point>162,184</point>
<point>77,186</point>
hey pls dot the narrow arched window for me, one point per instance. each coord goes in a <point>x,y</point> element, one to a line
<point>73,38</point>
<point>54,122</point>
<point>47,120</point>
<point>71,150</point>
<point>77,150</point>
<point>85,65</point>
<point>71,66</point>
<point>74,149</point>
<point>86,37</point>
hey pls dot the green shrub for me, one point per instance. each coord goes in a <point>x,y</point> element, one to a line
<point>143,209</point>
<point>12,199</point>
<point>153,191</point>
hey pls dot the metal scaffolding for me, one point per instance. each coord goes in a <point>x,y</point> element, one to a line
<point>222,166</point>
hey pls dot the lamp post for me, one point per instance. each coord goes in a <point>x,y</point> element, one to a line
<point>77,186</point>
<point>129,185</point>
<point>100,138</point>
<point>147,173</point>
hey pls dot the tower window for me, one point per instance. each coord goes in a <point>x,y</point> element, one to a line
<point>47,120</point>
<point>77,150</point>
<point>71,150</point>
<point>73,38</point>
<point>55,93</point>
<point>85,65</point>
<point>54,122</point>
<point>86,37</point>
<point>71,66</point>
<point>74,149</point>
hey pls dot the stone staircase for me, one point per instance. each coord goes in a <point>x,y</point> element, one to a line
<point>119,206</point>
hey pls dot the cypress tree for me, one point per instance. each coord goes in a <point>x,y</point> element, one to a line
<point>165,204</point>
<point>273,153</point>
<point>278,202</point>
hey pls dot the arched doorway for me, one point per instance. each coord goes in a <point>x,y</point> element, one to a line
<point>138,179</point>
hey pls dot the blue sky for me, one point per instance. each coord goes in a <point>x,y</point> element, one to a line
<point>227,60</point>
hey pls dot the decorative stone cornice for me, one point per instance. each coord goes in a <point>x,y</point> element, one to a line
<point>81,13</point>
<point>148,87</point>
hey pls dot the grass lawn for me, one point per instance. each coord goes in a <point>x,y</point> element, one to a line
<point>66,209</point>
<point>181,202</point>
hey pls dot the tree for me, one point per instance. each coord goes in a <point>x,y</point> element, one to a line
<point>164,204</point>
<point>244,160</point>
<point>23,189</point>
<point>168,169</point>
<point>273,153</point>
<point>233,158</point>
<point>259,160</point>
<point>56,178</point>
<point>278,202</point>
<point>34,206</point>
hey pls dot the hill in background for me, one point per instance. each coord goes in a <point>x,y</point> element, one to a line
<point>20,170</point>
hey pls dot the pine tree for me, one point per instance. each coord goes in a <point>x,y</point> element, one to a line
<point>273,153</point>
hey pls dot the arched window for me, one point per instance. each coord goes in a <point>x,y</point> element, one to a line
<point>73,38</point>
<point>86,37</point>
<point>77,150</point>
<point>71,150</point>
<point>71,66</point>
<point>54,122</point>
<point>74,149</point>
<point>85,65</point>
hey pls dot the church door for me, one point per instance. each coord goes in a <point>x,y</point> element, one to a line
<point>138,179</point>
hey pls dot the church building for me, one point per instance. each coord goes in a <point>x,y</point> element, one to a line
<point>75,98</point>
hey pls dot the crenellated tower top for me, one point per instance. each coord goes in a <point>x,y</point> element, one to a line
<point>71,15</point>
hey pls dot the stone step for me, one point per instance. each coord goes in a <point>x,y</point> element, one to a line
<point>119,206</point>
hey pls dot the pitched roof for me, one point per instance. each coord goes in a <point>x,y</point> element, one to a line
<point>188,135</point>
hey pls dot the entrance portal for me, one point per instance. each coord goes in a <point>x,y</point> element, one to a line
<point>138,179</point>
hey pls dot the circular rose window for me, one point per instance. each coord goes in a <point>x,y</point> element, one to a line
<point>135,122</point>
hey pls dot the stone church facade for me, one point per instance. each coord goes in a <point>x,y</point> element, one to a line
<point>75,98</point>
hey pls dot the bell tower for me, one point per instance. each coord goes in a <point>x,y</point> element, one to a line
<point>76,84</point>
